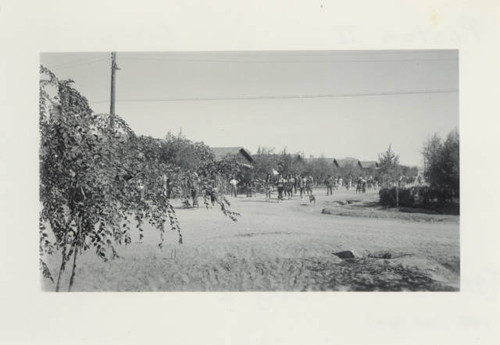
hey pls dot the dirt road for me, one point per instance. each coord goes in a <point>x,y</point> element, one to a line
<point>288,246</point>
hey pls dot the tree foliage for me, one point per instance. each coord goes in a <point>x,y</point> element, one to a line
<point>442,162</point>
<point>265,161</point>
<point>320,168</point>
<point>182,152</point>
<point>388,172</point>
<point>389,168</point>
<point>351,170</point>
<point>288,164</point>
<point>95,181</point>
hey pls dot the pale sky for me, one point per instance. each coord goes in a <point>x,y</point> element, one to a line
<point>331,103</point>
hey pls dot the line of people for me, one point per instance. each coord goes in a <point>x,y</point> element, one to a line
<point>362,184</point>
<point>288,186</point>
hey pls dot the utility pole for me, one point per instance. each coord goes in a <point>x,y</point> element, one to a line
<point>114,67</point>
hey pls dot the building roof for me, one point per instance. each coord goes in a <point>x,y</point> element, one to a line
<point>312,159</point>
<point>342,163</point>
<point>368,164</point>
<point>221,152</point>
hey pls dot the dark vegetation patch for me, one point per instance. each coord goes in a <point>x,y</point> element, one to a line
<point>368,274</point>
<point>375,209</point>
<point>420,199</point>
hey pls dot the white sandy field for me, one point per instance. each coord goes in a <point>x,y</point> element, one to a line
<point>286,246</point>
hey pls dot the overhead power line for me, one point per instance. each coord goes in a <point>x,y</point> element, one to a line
<point>289,53</point>
<point>240,58</point>
<point>247,98</point>
<point>180,59</point>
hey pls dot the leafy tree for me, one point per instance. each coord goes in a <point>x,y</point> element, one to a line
<point>389,168</point>
<point>95,180</point>
<point>408,171</point>
<point>264,161</point>
<point>349,170</point>
<point>320,168</point>
<point>442,163</point>
<point>285,163</point>
<point>298,164</point>
<point>184,153</point>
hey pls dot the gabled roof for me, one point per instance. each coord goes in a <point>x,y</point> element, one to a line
<point>342,163</point>
<point>368,164</point>
<point>221,152</point>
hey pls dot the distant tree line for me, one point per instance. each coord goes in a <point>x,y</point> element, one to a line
<point>285,163</point>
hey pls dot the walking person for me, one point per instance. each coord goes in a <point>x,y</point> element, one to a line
<point>291,181</point>
<point>301,185</point>
<point>234,187</point>
<point>359,185</point>
<point>328,184</point>
<point>194,185</point>
<point>281,186</point>
<point>212,191</point>
<point>309,182</point>
<point>288,188</point>
<point>296,184</point>
<point>363,186</point>
<point>269,190</point>
<point>268,186</point>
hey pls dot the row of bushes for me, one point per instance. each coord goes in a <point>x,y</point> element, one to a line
<point>417,196</point>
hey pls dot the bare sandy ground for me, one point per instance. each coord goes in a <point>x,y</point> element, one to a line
<point>286,246</point>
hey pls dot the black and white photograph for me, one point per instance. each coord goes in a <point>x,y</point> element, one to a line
<point>250,171</point>
<point>259,172</point>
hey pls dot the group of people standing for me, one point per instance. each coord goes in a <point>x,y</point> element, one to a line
<point>363,184</point>
<point>333,183</point>
<point>289,185</point>
<point>193,185</point>
<point>286,185</point>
